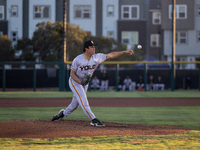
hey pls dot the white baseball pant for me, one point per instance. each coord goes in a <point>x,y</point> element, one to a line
<point>79,99</point>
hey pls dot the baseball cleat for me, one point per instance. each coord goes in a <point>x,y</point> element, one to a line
<point>58,116</point>
<point>96,123</point>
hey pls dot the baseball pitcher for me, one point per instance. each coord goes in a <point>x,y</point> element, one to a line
<point>83,66</point>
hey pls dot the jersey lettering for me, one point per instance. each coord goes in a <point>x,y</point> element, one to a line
<point>87,67</point>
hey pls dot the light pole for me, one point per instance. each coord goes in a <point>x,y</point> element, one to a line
<point>64,29</point>
<point>173,73</point>
<point>64,45</point>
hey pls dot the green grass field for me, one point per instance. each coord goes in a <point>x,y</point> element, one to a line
<point>177,116</point>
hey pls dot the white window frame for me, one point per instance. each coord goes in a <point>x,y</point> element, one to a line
<point>2,12</point>
<point>179,37</point>
<point>16,36</point>
<point>129,37</point>
<point>12,11</point>
<point>110,11</point>
<point>83,11</point>
<point>181,66</point>
<point>198,10</point>
<point>108,34</point>
<point>157,40</point>
<point>129,12</point>
<point>177,7</point>
<point>154,17</point>
<point>41,12</point>
<point>198,36</point>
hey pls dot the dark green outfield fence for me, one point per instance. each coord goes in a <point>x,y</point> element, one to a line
<point>31,77</point>
<point>61,81</point>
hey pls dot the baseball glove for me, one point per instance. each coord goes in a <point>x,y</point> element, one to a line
<point>86,79</point>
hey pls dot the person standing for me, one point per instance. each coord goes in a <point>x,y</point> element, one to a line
<point>85,64</point>
<point>104,81</point>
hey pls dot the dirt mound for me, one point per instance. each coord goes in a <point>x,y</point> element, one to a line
<point>72,128</point>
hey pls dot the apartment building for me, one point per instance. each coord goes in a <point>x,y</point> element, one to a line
<point>18,18</point>
<point>187,31</point>
<point>131,22</point>
<point>155,31</point>
<point>3,20</point>
<point>123,20</point>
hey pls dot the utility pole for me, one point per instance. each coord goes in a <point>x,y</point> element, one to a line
<point>64,45</point>
<point>64,28</point>
<point>173,71</point>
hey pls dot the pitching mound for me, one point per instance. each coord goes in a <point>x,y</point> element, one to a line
<point>71,128</point>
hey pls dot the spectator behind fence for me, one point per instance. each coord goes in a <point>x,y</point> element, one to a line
<point>151,83</point>
<point>188,83</point>
<point>159,84</point>
<point>127,84</point>
<point>140,83</point>
<point>104,81</point>
<point>119,84</point>
<point>95,83</point>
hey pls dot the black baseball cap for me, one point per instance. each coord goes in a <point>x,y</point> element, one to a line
<point>88,43</point>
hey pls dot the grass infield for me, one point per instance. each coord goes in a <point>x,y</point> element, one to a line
<point>176,116</point>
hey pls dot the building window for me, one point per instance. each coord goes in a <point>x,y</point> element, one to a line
<point>41,11</point>
<point>155,40</point>
<point>198,36</point>
<point>198,10</point>
<point>181,11</point>
<point>82,11</point>
<point>181,66</point>
<point>110,34</point>
<point>130,38</point>
<point>110,10</point>
<point>130,12</point>
<point>156,18</point>
<point>1,12</point>
<point>14,36</point>
<point>181,37</point>
<point>14,11</point>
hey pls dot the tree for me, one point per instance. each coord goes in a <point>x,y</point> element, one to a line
<point>6,50</point>
<point>104,44</point>
<point>26,47</point>
<point>47,40</point>
<point>75,39</point>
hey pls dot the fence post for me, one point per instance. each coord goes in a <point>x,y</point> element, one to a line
<point>67,79</point>
<point>34,77</point>
<point>62,76</point>
<point>116,76</point>
<point>4,78</point>
<point>199,77</point>
<point>145,76</point>
<point>172,77</point>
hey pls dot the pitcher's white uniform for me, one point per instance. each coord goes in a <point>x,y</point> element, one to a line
<point>81,66</point>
